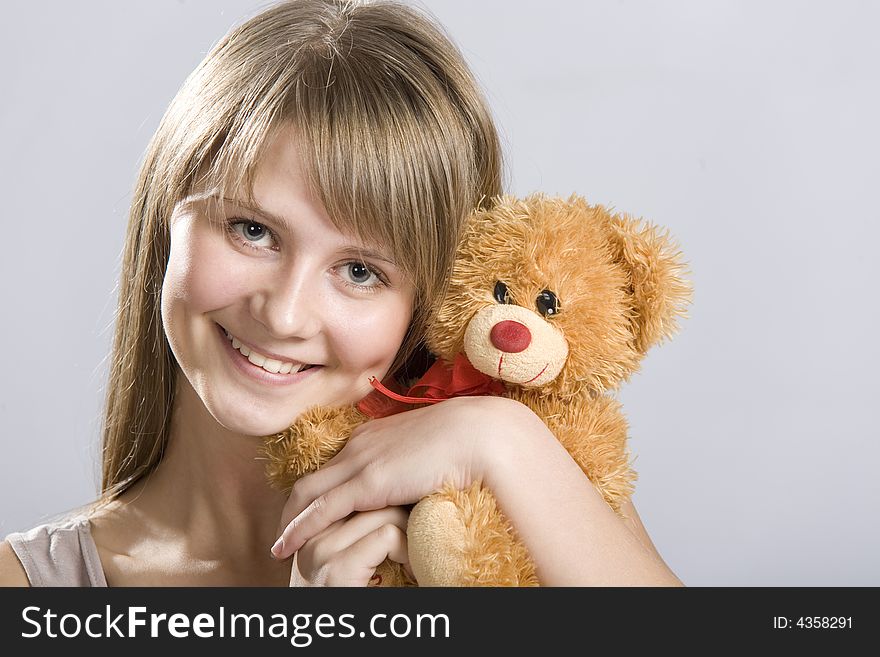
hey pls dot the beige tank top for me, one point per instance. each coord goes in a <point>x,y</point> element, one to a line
<point>62,553</point>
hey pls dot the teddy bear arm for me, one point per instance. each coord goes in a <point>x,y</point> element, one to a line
<point>460,538</point>
<point>317,436</point>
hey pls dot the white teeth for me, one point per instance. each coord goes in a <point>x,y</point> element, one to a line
<point>268,364</point>
<point>272,365</point>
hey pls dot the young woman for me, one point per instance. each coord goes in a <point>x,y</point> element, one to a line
<point>293,223</point>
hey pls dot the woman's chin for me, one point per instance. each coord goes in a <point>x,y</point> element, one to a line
<point>254,424</point>
<point>264,428</point>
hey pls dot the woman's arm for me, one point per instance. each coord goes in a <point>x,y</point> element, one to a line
<point>572,535</point>
<point>11,571</point>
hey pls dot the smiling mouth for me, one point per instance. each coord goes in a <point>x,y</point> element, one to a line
<point>269,364</point>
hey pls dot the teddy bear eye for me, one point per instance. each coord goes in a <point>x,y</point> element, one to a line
<point>547,303</point>
<point>501,294</point>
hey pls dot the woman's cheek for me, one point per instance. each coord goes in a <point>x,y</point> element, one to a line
<point>218,283</point>
<point>373,332</point>
<point>206,275</point>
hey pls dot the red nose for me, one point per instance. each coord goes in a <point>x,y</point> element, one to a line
<point>510,336</point>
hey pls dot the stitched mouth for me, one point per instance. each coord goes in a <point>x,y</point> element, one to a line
<point>501,376</point>
<point>539,373</point>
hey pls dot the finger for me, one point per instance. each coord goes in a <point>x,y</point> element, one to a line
<point>346,533</point>
<point>362,558</point>
<point>296,578</point>
<point>308,487</point>
<point>324,510</point>
<point>325,546</point>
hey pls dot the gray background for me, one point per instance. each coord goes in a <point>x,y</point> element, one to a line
<point>748,128</point>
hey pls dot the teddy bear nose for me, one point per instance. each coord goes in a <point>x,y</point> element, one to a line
<point>510,336</point>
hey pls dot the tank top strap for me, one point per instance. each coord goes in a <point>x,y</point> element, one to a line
<point>62,553</point>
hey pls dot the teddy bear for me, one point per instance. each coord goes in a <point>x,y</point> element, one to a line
<point>552,302</point>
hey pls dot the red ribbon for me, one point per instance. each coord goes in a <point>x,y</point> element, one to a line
<point>442,381</point>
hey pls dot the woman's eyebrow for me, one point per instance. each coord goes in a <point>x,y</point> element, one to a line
<point>367,253</point>
<point>256,209</point>
<point>353,249</point>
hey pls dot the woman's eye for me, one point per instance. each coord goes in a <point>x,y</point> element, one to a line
<point>361,276</point>
<point>360,273</point>
<point>253,231</point>
<point>250,233</point>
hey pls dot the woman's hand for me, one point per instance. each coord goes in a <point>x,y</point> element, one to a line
<point>394,461</point>
<point>348,551</point>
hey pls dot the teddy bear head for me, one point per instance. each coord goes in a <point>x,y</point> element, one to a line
<point>557,295</point>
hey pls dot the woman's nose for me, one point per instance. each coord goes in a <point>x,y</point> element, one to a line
<point>509,336</point>
<point>288,307</point>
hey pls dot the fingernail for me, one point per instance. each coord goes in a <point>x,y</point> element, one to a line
<point>278,548</point>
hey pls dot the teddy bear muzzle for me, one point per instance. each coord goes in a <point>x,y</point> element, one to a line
<point>516,345</point>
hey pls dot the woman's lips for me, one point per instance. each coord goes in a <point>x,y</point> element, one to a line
<point>246,348</point>
<point>256,372</point>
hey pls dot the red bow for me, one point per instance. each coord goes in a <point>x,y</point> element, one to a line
<point>442,381</point>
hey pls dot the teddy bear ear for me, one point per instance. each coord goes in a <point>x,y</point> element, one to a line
<point>659,289</point>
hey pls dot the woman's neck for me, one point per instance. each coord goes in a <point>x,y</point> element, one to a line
<point>208,495</point>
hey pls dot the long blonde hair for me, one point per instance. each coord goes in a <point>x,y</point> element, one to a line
<point>397,141</point>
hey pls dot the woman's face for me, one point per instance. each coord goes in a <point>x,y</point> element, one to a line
<point>291,289</point>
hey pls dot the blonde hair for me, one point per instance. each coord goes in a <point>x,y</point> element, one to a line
<point>397,141</point>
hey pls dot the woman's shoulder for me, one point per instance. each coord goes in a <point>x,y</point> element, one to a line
<point>60,552</point>
<point>12,573</point>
